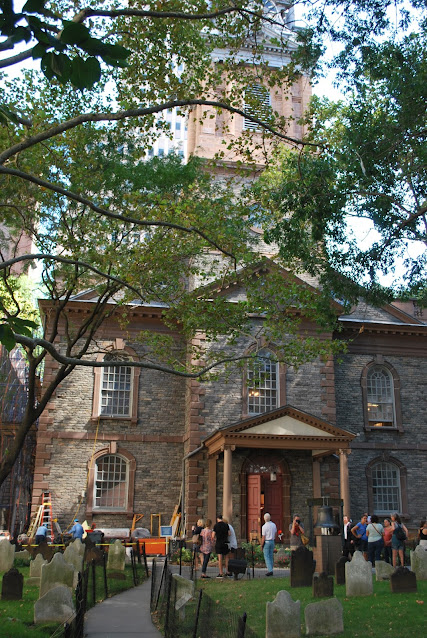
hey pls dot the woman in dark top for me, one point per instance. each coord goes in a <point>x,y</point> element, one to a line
<point>422,534</point>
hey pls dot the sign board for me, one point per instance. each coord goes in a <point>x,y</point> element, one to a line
<point>165,530</point>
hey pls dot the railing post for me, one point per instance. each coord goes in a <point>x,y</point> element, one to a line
<point>196,622</point>
<point>241,626</point>
<point>104,569</point>
<point>93,582</point>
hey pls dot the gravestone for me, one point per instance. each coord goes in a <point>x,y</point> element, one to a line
<point>12,584</point>
<point>281,557</point>
<point>36,570</point>
<point>56,606</point>
<point>302,567</point>
<point>57,572</point>
<point>23,555</point>
<point>283,612</point>
<point>403,581</point>
<point>358,576</point>
<point>323,586</point>
<point>47,551</point>
<point>116,556</point>
<point>340,570</point>
<point>74,553</point>
<point>324,618</point>
<point>7,555</point>
<point>383,570</point>
<point>94,553</point>
<point>419,562</point>
<point>184,591</point>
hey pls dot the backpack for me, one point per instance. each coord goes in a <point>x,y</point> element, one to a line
<point>400,533</point>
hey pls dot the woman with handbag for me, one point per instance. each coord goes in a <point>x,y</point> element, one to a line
<point>196,540</point>
<point>296,529</point>
<point>400,534</point>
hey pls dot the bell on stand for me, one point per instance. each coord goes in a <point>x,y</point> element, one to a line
<point>325,520</point>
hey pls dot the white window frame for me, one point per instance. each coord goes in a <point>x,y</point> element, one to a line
<point>390,481</point>
<point>256,390</point>
<point>116,370</point>
<point>111,507</point>
<point>380,398</point>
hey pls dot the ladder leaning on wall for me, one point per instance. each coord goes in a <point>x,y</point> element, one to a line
<point>43,516</point>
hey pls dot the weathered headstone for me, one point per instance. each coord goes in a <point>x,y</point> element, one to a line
<point>283,612</point>
<point>323,586</point>
<point>94,553</point>
<point>358,576</point>
<point>302,567</point>
<point>57,572</point>
<point>419,562</point>
<point>12,584</point>
<point>23,556</point>
<point>340,570</point>
<point>47,551</point>
<point>56,606</point>
<point>36,570</point>
<point>7,555</point>
<point>403,581</point>
<point>74,553</point>
<point>116,556</point>
<point>184,591</point>
<point>383,570</point>
<point>324,618</point>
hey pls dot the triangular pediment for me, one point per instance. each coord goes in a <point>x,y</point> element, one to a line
<point>287,426</point>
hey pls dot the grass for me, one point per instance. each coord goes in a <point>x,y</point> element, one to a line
<point>17,616</point>
<point>380,614</point>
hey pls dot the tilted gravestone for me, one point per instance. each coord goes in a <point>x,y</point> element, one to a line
<point>383,570</point>
<point>358,576</point>
<point>283,612</point>
<point>7,555</point>
<point>323,586</point>
<point>74,554</point>
<point>56,606</point>
<point>57,572</point>
<point>302,567</point>
<point>116,556</point>
<point>340,570</point>
<point>12,585</point>
<point>403,581</point>
<point>419,562</point>
<point>324,618</point>
<point>36,570</point>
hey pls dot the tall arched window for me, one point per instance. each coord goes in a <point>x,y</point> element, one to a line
<point>386,487</point>
<point>263,383</point>
<point>380,397</point>
<point>111,483</point>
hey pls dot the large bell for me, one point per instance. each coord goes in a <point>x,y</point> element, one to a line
<point>325,518</point>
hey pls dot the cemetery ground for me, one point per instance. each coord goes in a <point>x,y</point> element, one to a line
<point>381,614</point>
<point>17,616</point>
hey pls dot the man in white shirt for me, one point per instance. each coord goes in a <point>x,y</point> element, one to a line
<point>269,531</point>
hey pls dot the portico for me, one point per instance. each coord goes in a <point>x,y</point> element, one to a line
<point>265,477</point>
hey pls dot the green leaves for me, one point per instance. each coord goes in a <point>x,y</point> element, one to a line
<point>13,325</point>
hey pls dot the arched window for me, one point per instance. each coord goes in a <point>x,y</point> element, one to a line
<point>116,387</point>
<point>380,397</point>
<point>387,486</point>
<point>262,383</point>
<point>111,483</point>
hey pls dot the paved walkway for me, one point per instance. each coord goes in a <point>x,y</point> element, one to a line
<point>126,615</point>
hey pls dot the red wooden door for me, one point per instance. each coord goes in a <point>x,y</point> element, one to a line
<point>254,505</point>
<point>273,500</point>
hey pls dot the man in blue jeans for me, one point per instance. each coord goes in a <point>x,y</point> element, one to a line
<point>269,531</point>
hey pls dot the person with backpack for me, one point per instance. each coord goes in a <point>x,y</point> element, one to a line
<point>400,534</point>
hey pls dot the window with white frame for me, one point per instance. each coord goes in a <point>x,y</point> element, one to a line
<point>380,397</point>
<point>263,383</point>
<point>386,488</point>
<point>111,483</point>
<point>257,104</point>
<point>116,387</point>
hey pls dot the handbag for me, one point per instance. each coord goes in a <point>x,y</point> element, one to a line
<point>304,539</point>
<point>196,540</point>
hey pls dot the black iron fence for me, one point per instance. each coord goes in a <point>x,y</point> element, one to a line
<point>199,617</point>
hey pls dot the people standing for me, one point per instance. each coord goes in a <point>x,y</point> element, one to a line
<point>196,530</point>
<point>296,528</point>
<point>359,531</point>
<point>221,533</point>
<point>348,541</point>
<point>374,532</point>
<point>388,533</point>
<point>207,546</point>
<point>232,542</point>
<point>77,530</point>
<point>422,534</point>
<point>269,531</point>
<point>397,543</point>
<point>41,534</point>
